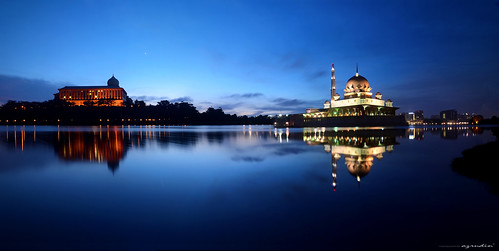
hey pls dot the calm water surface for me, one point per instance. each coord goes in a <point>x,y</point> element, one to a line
<point>251,187</point>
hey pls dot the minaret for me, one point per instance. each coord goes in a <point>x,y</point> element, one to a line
<point>334,160</point>
<point>333,84</point>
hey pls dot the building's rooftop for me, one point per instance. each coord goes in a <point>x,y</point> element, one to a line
<point>91,87</point>
<point>357,83</point>
<point>113,82</point>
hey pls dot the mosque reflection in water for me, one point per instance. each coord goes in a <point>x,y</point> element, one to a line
<point>359,148</point>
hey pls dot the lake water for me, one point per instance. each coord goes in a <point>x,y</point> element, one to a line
<point>245,187</point>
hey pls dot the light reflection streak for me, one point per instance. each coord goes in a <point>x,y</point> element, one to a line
<point>249,135</point>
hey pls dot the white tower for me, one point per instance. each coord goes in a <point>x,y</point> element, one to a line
<point>333,84</point>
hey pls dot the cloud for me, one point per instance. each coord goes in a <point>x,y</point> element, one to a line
<point>283,151</point>
<point>291,61</point>
<point>149,98</point>
<point>316,75</point>
<point>205,103</point>
<point>182,99</point>
<point>18,88</point>
<point>257,112</point>
<point>288,102</point>
<point>216,57</point>
<point>153,99</point>
<point>245,95</point>
<point>232,105</point>
<point>247,159</point>
<point>265,106</point>
<point>286,106</point>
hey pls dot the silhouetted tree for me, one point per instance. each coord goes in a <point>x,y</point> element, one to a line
<point>164,103</point>
<point>128,102</point>
<point>58,111</point>
<point>139,103</point>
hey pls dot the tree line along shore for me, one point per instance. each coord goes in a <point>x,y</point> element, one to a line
<point>60,112</point>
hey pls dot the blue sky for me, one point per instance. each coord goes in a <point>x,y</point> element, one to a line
<point>256,57</point>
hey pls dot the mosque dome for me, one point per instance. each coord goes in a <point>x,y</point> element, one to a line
<point>359,166</point>
<point>357,83</point>
<point>113,82</point>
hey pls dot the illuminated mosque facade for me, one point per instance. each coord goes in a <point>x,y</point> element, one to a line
<point>357,108</point>
<point>110,95</point>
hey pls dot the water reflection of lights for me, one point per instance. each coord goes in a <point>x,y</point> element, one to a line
<point>359,148</point>
<point>344,141</point>
<point>22,136</point>
<point>93,144</point>
<point>413,134</point>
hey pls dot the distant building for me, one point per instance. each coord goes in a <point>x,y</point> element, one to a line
<point>448,115</point>
<point>409,116</point>
<point>464,116</point>
<point>434,120</point>
<point>110,95</point>
<point>418,115</point>
<point>414,118</point>
<point>476,119</point>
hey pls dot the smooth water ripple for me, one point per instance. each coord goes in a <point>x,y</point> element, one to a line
<point>245,187</point>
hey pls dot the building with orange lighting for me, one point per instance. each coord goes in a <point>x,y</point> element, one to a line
<point>110,95</point>
<point>110,147</point>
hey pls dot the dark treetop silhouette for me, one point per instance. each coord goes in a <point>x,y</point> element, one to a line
<point>164,113</point>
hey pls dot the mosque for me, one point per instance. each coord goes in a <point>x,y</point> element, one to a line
<point>359,148</point>
<point>357,108</point>
<point>110,95</point>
